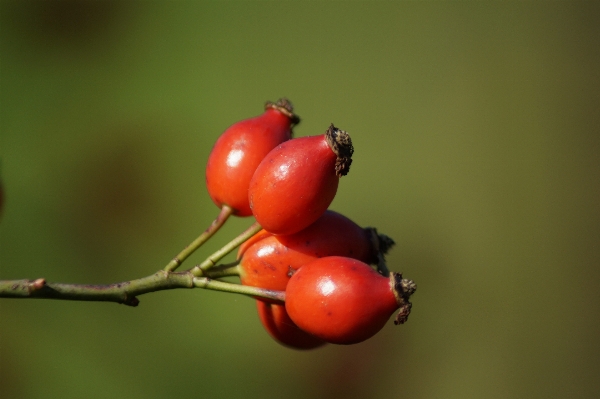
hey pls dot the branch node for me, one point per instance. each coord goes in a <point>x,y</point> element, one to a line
<point>131,301</point>
<point>37,285</point>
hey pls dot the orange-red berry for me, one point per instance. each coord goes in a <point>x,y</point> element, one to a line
<point>344,301</point>
<point>295,183</point>
<point>240,149</point>
<point>269,260</point>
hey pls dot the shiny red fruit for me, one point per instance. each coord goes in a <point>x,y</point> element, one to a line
<point>278,324</point>
<point>344,301</point>
<point>295,183</point>
<point>269,261</point>
<point>240,149</point>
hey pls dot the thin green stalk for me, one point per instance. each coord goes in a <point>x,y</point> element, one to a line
<point>210,284</point>
<point>226,265</point>
<point>209,232</point>
<point>220,271</point>
<point>212,260</point>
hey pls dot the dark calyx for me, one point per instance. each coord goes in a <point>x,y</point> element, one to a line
<point>341,144</point>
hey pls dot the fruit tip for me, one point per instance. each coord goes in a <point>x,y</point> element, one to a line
<point>341,144</point>
<point>286,107</point>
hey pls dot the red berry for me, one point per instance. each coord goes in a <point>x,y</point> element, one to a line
<point>344,301</point>
<point>269,261</point>
<point>296,181</point>
<point>240,149</point>
<point>278,324</point>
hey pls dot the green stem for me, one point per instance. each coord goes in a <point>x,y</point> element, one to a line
<point>203,282</point>
<point>226,265</point>
<point>126,292</point>
<point>219,271</point>
<point>209,232</point>
<point>212,260</point>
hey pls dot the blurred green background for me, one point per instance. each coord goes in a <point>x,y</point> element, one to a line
<point>477,136</point>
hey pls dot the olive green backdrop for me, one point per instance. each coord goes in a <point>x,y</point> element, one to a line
<point>477,136</point>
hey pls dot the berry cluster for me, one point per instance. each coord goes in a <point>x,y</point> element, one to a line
<point>321,259</point>
<point>316,275</point>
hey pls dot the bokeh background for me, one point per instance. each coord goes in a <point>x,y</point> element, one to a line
<point>477,136</point>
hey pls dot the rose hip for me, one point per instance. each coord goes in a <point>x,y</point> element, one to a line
<point>269,260</point>
<point>295,183</point>
<point>240,149</point>
<point>344,301</point>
